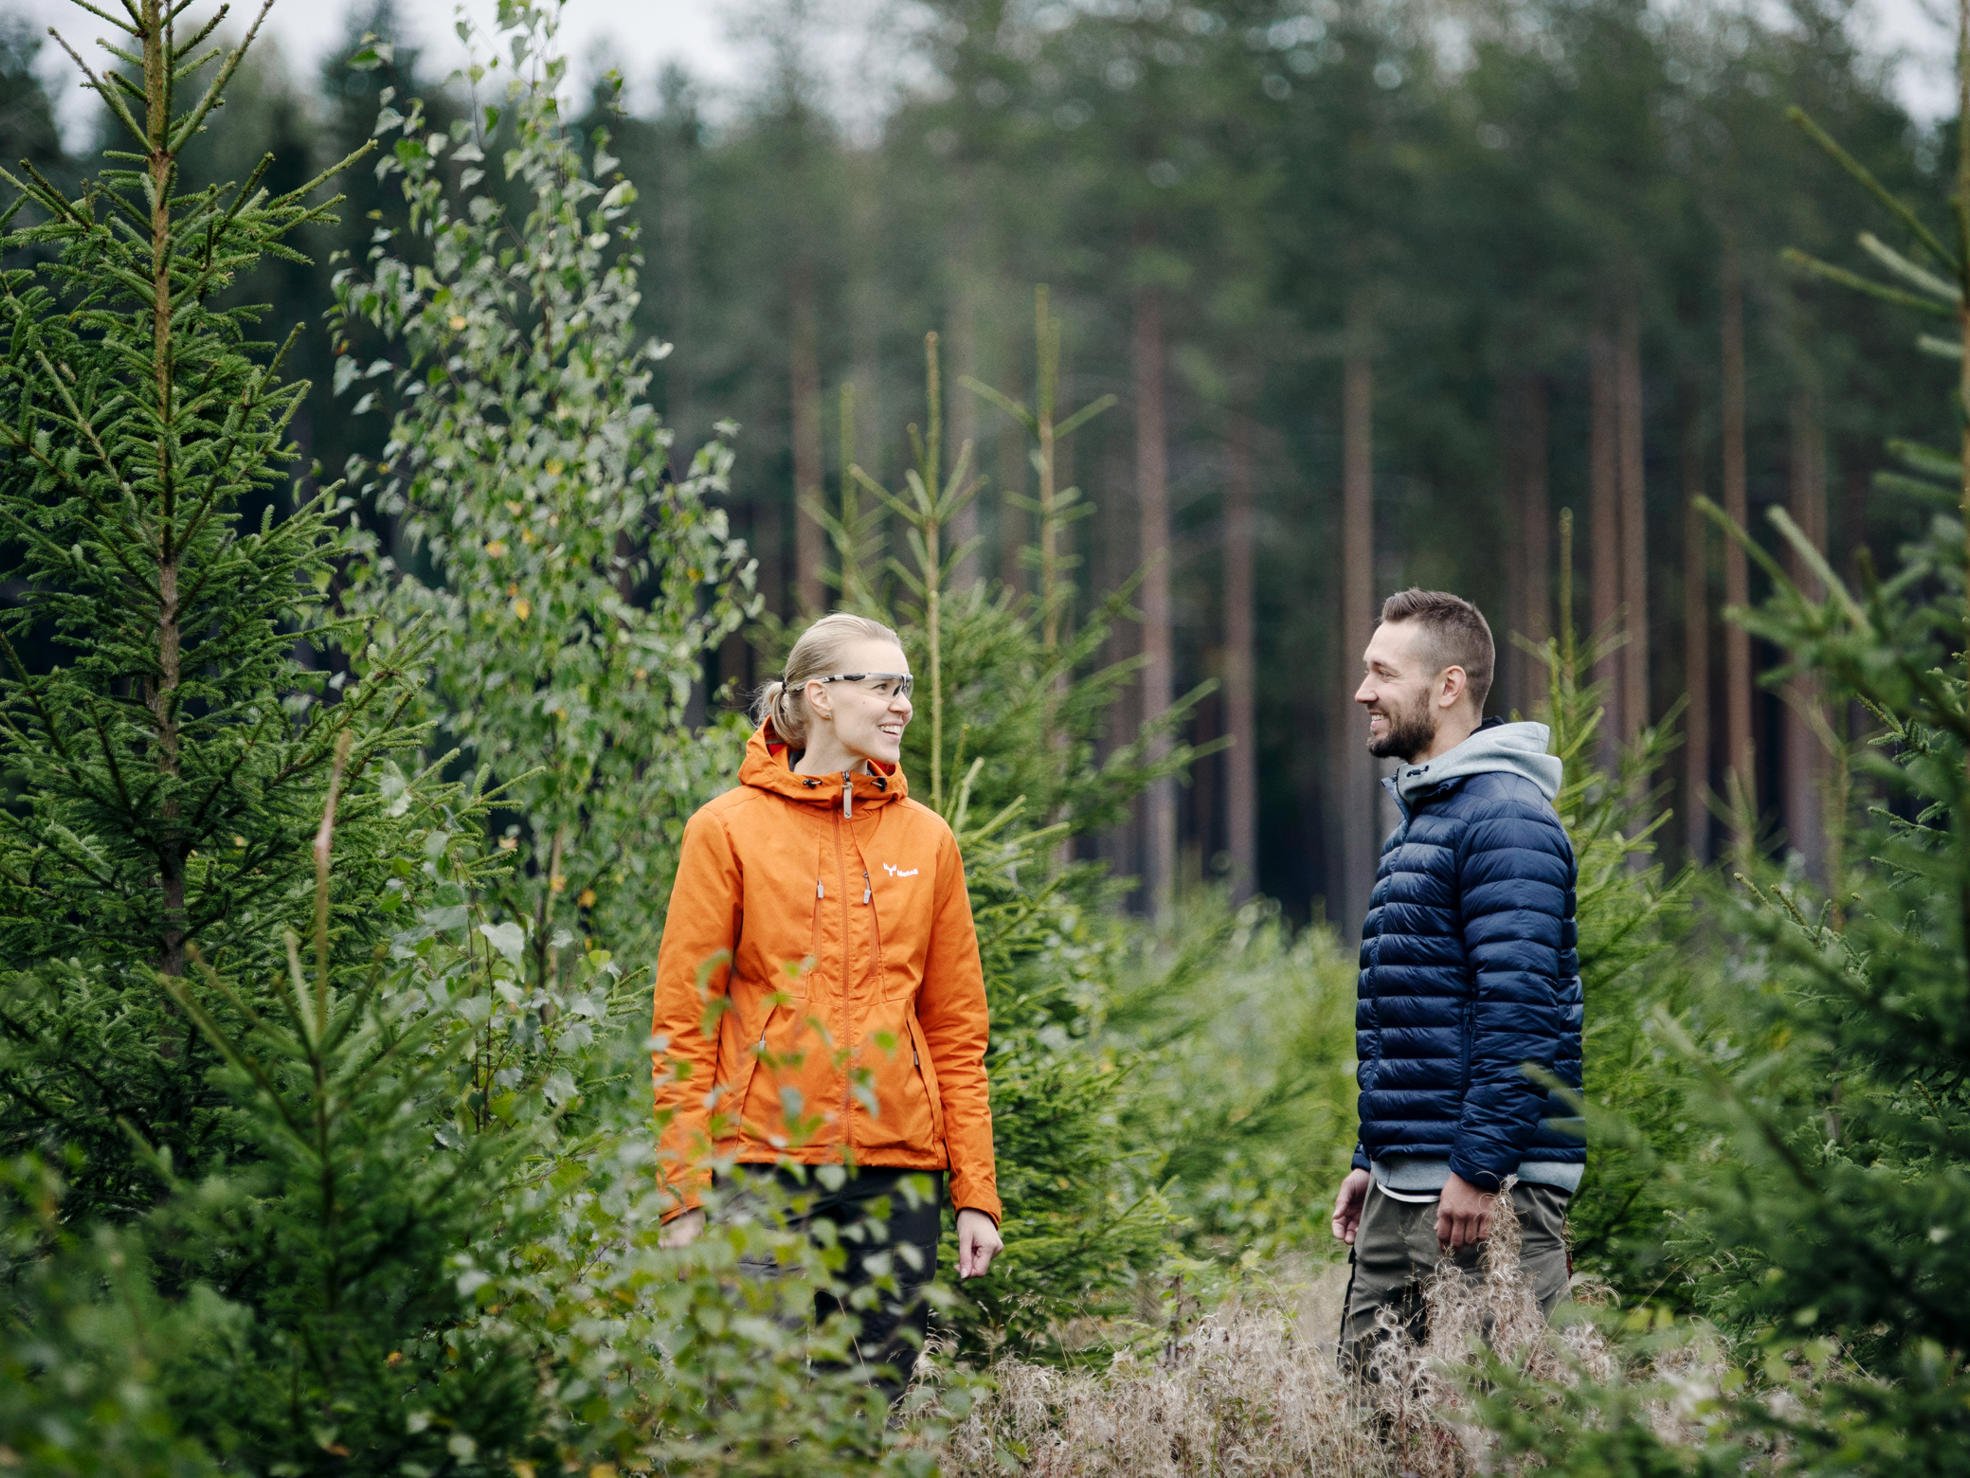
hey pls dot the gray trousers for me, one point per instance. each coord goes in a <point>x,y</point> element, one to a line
<point>1395,1254</point>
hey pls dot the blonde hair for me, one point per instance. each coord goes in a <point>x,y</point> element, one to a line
<point>818,653</point>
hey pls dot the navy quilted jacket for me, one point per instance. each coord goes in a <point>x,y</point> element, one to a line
<point>1469,966</point>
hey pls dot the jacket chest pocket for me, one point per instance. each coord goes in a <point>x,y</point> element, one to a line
<point>899,924</point>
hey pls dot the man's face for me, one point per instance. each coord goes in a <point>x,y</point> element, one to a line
<point>1396,688</point>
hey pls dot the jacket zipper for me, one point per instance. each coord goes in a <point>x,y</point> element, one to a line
<point>848,1046</point>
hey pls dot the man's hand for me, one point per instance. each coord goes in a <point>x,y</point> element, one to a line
<point>1463,1215</point>
<point>978,1242</point>
<point>682,1231</point>
<point>1348,1204</point>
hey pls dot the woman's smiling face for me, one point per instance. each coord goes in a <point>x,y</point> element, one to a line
<point>868,714</point>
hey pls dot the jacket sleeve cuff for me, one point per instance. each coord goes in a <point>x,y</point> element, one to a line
<point>1360,1160</point>
<point>1477,1175</point>
<point>687,1194</point>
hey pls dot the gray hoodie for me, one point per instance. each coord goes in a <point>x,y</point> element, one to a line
<point>1519,748</point>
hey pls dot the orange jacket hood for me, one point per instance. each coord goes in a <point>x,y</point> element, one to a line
<point>768,766</point>
<point>819,996</point>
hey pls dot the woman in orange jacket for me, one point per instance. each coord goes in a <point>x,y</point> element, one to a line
<point>819,997</point>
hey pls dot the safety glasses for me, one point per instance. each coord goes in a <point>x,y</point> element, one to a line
<point>883,684</point>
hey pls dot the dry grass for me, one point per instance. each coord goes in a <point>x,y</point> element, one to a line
<point>1253,1388</point>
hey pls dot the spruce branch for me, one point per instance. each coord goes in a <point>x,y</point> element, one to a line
<point>1908,271</point>
<point>104,15</point>
<point>1893,203</point>
<point>174,142</point>
<point>102,89</point>
<point>1845,278</point>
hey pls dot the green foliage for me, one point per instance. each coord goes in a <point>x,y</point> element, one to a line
<point>570,584</point>
<point>1248,1158</point>
<point>1633,921</point>
<point>372,1222</point>
<point>162,743</point>
<point>85,1336</point>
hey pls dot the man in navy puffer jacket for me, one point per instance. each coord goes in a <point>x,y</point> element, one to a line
<point>1469,977</point>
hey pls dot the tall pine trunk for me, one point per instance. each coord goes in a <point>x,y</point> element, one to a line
<point>1241,769</point>
<point>1356,772</point>
<point>1634,662</point>
<point>1012,532</point>
<point>804,367</point>
<point>1737,577</point>
<point>1803,751</point>
<point>1696,638</point>
<point>1604,526</point>
<point>965,360</point>
<point>1159,809</point>
<point>1528,493</point>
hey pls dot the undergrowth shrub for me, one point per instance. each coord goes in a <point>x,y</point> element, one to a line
<point>1253,1388</point>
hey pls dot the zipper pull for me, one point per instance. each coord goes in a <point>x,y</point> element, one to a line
<point>868,888</point>
<point>848,794</point>
<point>819,890</point>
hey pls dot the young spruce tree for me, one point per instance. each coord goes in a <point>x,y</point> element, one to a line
<point>165,748</point>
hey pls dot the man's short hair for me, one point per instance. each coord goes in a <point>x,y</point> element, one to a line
<point>1455,634</point>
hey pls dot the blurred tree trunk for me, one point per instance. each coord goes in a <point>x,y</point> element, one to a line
<point>1737,577</point>
<point>1011,517</point>
<point>961,406</point>
<point>1634,659</point>
<point>1148,352</point>
<point>676,194</point>
<point>804,366</point>
<point>1356,772</point>
<point>1696,636</point>
<point>1111,536</point>
<point>1604,526</point>
<point>1803,750</point>
<point>1527,490</point>
<point>1241,769</point>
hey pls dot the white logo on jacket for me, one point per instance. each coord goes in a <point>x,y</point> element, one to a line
<point>892,870</point>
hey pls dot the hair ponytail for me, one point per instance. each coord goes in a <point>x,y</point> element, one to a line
<point>770,705</point>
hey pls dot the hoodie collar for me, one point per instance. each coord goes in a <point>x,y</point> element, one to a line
<point>768,766</point>
<point>1518,749</point>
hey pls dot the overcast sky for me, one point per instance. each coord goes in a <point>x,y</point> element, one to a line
<point>639,33</point>
<point>639,36</point>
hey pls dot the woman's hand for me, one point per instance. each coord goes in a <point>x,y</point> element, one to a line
<point>682,1231</point>
<point>978,1242</point>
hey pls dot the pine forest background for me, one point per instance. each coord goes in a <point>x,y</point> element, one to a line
<point>1380,290</point>
<point>388,545</point>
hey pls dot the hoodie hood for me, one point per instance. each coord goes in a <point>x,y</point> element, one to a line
<point>768,766</point>
<point>1518,749</point>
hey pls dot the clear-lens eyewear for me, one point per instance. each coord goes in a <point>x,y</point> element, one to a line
<point>884,684</point>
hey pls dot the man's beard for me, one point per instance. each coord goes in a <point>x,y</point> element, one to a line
<point>1409,733</point>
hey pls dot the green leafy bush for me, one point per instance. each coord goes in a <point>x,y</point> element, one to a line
<point>570,581</point>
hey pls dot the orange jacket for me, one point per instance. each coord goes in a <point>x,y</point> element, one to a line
<point>819,996</point>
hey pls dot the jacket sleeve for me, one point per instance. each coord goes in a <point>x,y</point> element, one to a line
<point>951,1010</point>
<point>694,966</point>
<point>1514,865</point>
